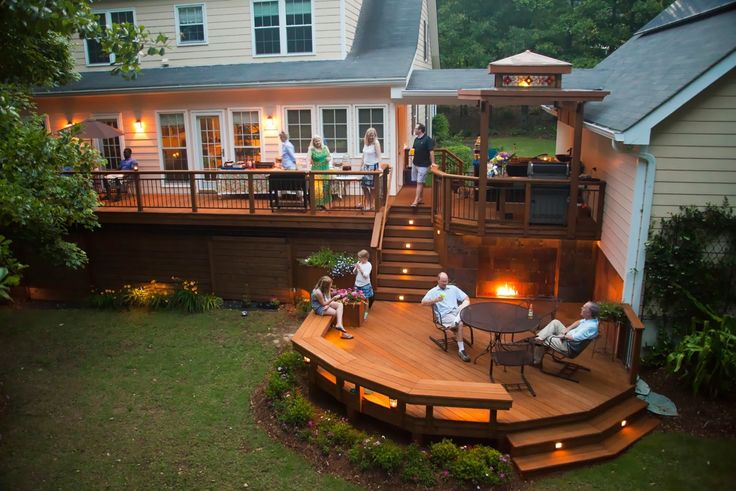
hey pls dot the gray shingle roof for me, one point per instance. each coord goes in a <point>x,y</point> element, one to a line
<point>682,10</point>
<point>383,50</point>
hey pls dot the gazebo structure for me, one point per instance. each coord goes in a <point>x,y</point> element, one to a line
<point>531,79</point>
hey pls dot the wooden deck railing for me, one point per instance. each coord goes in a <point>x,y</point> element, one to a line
<point>445,159</point>
<point>247,190</point>
<point>516,205</point>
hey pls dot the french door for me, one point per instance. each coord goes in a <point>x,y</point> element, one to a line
<point>209,134</point>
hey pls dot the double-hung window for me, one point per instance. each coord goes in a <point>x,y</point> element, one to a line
<point>335,129</point>
<point>299,127</point>
<point>371,117</point>
<point>282,27</point>
<point>191,24</point>
<point>247,135</point>
<point>95,55</point>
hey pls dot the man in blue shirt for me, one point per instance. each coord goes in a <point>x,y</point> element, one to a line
<point>288,158</point>
<point>568,339</point>
<point>445,298</point>
<point>128,162</point>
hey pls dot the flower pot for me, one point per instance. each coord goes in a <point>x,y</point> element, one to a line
<point>353,314</point>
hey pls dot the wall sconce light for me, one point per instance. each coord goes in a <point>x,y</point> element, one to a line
<point>393,403</point>
<point>138,126</point>
<point>270,123</point>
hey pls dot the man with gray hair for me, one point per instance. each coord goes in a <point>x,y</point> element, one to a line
<point>568,340</point>
<point>445,298</point>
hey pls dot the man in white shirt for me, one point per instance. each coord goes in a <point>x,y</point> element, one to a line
<point>568,339</point>
<point>445,298</point>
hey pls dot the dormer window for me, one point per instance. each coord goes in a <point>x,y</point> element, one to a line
<point>282,27</point>
<point>191,24</point>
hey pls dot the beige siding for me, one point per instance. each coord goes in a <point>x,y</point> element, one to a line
<point>270,102</point>
<point>696,152</point>
<point>352,14</point>
<point>229,33</point>
<point>619,172</point>
<point>419,58</point>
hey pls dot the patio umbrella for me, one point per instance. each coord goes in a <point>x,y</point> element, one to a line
<point>89,128</point>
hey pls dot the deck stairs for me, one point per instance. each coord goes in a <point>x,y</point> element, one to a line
<point>584,439</point>
<point>409,264</point>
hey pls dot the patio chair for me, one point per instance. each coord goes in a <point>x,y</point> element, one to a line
<point>514,355</point>
<point>568,369</point>
<point>445,339</point>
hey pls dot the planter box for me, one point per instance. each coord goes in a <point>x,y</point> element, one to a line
<point>307,276</point>
<point>353,315</point>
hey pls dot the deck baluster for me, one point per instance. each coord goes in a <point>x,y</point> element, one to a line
<point>251,194</point>
<point>138,191</point>
<point>193,190</point>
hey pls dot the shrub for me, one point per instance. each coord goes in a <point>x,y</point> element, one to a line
<point>444,452</point>
<point>440,129</point>
<point>339,433</point>
<point>157,296</point>
<point>481,465</point>
<point>418,469</point>
<point>186,297</point>
<point>290,361</point>
<point>466,155</point>
<point>339,263</point>
<point>373,453</point>
<point>278,385</point>
<point>294,411</point>
<point>612,311</point>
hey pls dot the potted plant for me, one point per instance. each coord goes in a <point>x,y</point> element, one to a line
<point>325,262</point>
<point>613,315</point>
<point>355,305</point>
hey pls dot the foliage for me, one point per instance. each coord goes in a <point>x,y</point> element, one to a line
<point>481,465</point>
<point>290,362</point>
<point>294,410</point>
<point>377,453</point>
<point>656,356</point>
<point>706,357</point>
<point>466,155</point>
<point>335,433</point>
<point>38,204</point>
<point>694,248</point>
<point>183,295</point>
<point>612,311</point>
<point>10,269</point>
<point>582,32</point>
<point>443,452</point>
<point>278,385</point>
<point>418,469</point>
<point>440,129</point>
<point>339,263</point>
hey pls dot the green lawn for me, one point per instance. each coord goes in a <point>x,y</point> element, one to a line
<point>524,146</point>
<point>139,400</point>
<point>667,461</point>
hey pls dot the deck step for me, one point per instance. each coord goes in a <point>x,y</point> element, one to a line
<point>415,244</point>
<point>423,209</point>
<point>407,231</point>
<point>409,256</point>
<point>407,281</point>
<point>421,269</point>
<point>609,447</point>
<point>392,294</point>
<point>423,220</point>
<point>577,433</point>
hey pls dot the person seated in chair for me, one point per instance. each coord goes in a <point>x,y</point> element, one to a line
<point>445,298</point>
<point>567,340</point>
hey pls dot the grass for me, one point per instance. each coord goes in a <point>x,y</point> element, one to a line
<point>136,400</point>
<point>524,146</point>
<point>671,461</point>
<point>141,400</point>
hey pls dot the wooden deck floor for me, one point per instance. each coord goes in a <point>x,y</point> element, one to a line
<point>396,335</point>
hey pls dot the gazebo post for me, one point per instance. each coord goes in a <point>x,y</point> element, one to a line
<point>483,167</point>
<point>577,138</point>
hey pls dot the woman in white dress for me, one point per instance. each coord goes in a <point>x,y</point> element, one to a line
<point>371,157</point>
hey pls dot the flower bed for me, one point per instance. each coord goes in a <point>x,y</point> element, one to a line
<point>335,438</point>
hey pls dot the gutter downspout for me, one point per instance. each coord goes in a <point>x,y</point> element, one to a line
<point>641,214</point>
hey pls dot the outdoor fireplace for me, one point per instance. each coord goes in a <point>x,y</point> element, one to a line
<point>517,268</point>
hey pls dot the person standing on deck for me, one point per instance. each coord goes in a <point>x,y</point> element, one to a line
<point>445,298</point>
<point>423,157</point>
<point>288,157</point>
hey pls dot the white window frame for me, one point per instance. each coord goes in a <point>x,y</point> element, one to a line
<point>230,153</point>
<point>349,116</point>
<point>386,146</point>
<point>159,136</point>
<point>119,117</point>
<point>313,121</point>
<point>177,26</point>
<point>282,31</point>
<point>108,22</point>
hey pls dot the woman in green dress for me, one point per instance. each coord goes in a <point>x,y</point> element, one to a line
<point>320,159</point>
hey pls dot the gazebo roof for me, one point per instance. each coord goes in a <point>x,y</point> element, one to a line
<point>529,62</point>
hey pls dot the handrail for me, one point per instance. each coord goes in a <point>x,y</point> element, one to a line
<point>637,327</point>
<point>445,153</point>
<point>235,172</point>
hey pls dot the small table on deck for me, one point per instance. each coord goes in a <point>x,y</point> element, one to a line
<point>499,318</point>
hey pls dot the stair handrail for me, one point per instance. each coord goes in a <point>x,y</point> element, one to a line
<point>446,155</point>
<point>379,226</point>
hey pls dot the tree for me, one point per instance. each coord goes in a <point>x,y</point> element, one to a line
<point>38,203</point>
